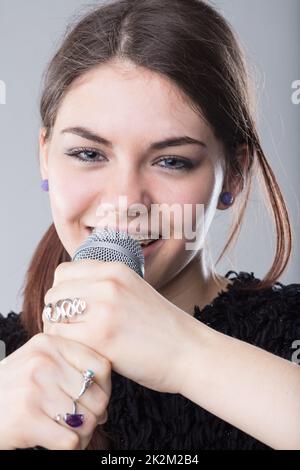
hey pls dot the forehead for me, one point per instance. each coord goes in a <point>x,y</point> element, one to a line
<point>126,98</point>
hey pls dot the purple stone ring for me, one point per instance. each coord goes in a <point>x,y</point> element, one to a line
<point>75,420</point>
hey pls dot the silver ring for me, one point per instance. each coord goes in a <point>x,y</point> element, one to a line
<point>88,376</point>
<point>64,309</point>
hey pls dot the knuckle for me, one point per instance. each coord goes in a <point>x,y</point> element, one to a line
<point>37,361</point>
<point>61,268</point>
<point>105,367</point>
<point>42,343</point>
<point>93,421</point>
<point>121,270</point>
<point>41,340</point>
<point>103,317</point>
<point>106,319</point>
<point>106,322</point>
<point>23,441</point>
<point>103,419</point>
<point>38,339</point>
<point>105,401</point>
<point>120,266</point>
<point>102,404</point>
<point>28,397</point>
<point>48,296</point>
<point>59,271</point>
<point>112,289</point>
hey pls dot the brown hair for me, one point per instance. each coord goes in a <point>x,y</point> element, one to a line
<point>191,44</point>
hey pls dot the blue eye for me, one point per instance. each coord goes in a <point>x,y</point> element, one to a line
<point>186,165</point>
<point>92,156</point>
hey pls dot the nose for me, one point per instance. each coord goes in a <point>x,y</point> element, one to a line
<point>128,183</point>
<point>126,195</point>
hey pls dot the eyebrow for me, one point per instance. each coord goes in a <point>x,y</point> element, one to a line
<point>169,142</point>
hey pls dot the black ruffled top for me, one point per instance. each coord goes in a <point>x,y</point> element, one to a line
<point>140,418</point>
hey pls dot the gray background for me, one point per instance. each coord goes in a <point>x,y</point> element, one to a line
<point>31,30</point>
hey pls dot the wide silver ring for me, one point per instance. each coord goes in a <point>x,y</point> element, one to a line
<point>64,309</point>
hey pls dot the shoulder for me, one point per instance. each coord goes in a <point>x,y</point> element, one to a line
<point>269,318</point>
<point>12,332</point>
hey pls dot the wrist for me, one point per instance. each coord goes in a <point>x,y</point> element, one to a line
<point>196,352</point>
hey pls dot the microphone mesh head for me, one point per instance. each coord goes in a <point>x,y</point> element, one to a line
<point>111,245</point>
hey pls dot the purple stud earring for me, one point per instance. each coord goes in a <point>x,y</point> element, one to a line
<point>45,185</point>
<point>227,198</point>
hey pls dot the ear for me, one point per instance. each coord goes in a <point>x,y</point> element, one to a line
<point>43,153</point>
<point>234,178</point>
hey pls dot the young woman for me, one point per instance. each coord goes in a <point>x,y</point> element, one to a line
<point>183,358</point>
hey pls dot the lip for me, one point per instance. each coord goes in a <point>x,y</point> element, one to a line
<point>150,249</point>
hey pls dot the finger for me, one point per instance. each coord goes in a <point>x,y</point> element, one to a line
<point>59,403</point>
<point>46,433</point>
<point>69,380</point>
<point>94,399</point>
<point>69,289</point>
<point>62,372</point>
<point>81,331</point>
<point>81,357</point>
<point>95,291</point>
<point>72,352</point>
<point>99,305</point>
<point>94,269</point>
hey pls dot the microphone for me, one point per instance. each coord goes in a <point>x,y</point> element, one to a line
<point>112,245</point>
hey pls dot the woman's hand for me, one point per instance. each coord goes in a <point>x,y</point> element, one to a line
<point>39,381</point>
<point>126,320</point>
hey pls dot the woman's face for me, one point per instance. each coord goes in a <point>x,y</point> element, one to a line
<point>132,108</point>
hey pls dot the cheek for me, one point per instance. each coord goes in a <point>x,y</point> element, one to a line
<point>69,193</point>
<point>197,200</point>
<point>175,258</point>
<point>209,187</point>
